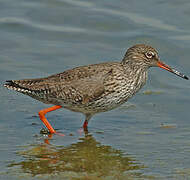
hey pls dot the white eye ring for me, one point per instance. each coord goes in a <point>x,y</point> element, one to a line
<point>150,54</point>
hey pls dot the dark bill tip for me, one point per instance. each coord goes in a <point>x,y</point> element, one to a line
<point>166,67</point>
<point>185,77</point>
<point>179,74</point>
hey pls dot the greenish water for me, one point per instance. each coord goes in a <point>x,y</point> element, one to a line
<point>146,138</point>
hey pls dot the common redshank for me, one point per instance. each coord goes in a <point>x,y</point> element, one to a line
<point>93,88</point>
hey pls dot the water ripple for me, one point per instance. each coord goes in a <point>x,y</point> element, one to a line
<point>79,3</point>
<point>181,37</point>
<point>46,27</point>
<point>139,19</point>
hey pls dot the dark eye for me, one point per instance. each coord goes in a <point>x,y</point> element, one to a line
<point>150,54</point>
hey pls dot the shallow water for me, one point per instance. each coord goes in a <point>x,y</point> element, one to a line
<point>146,138</point>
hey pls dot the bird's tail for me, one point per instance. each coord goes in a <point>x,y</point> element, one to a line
<point>15,85</point>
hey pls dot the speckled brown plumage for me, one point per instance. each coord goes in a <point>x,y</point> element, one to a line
<point>94,88</point>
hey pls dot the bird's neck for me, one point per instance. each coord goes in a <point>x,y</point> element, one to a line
<point>136,73</point>
<point>134,66</point>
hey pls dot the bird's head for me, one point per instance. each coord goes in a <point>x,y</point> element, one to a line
<point>144,56</point>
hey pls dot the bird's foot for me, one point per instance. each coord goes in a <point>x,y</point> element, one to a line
<point>44,131</point>
<point>47,132</point>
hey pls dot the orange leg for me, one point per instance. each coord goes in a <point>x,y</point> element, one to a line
<point>44,120</point>
<point>85,125</point>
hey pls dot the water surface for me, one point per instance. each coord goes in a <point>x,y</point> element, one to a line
<point>146,138</point>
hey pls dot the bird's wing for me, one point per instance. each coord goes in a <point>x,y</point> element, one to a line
<point>79,91</point>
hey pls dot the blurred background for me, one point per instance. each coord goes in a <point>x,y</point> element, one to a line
<point>146,138</point>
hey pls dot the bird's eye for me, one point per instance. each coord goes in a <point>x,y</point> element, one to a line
<point>150,54</point>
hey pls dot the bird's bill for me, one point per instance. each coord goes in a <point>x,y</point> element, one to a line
<point>166,67</point>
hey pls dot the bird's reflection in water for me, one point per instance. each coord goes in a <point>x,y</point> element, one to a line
<point>86,159</point>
